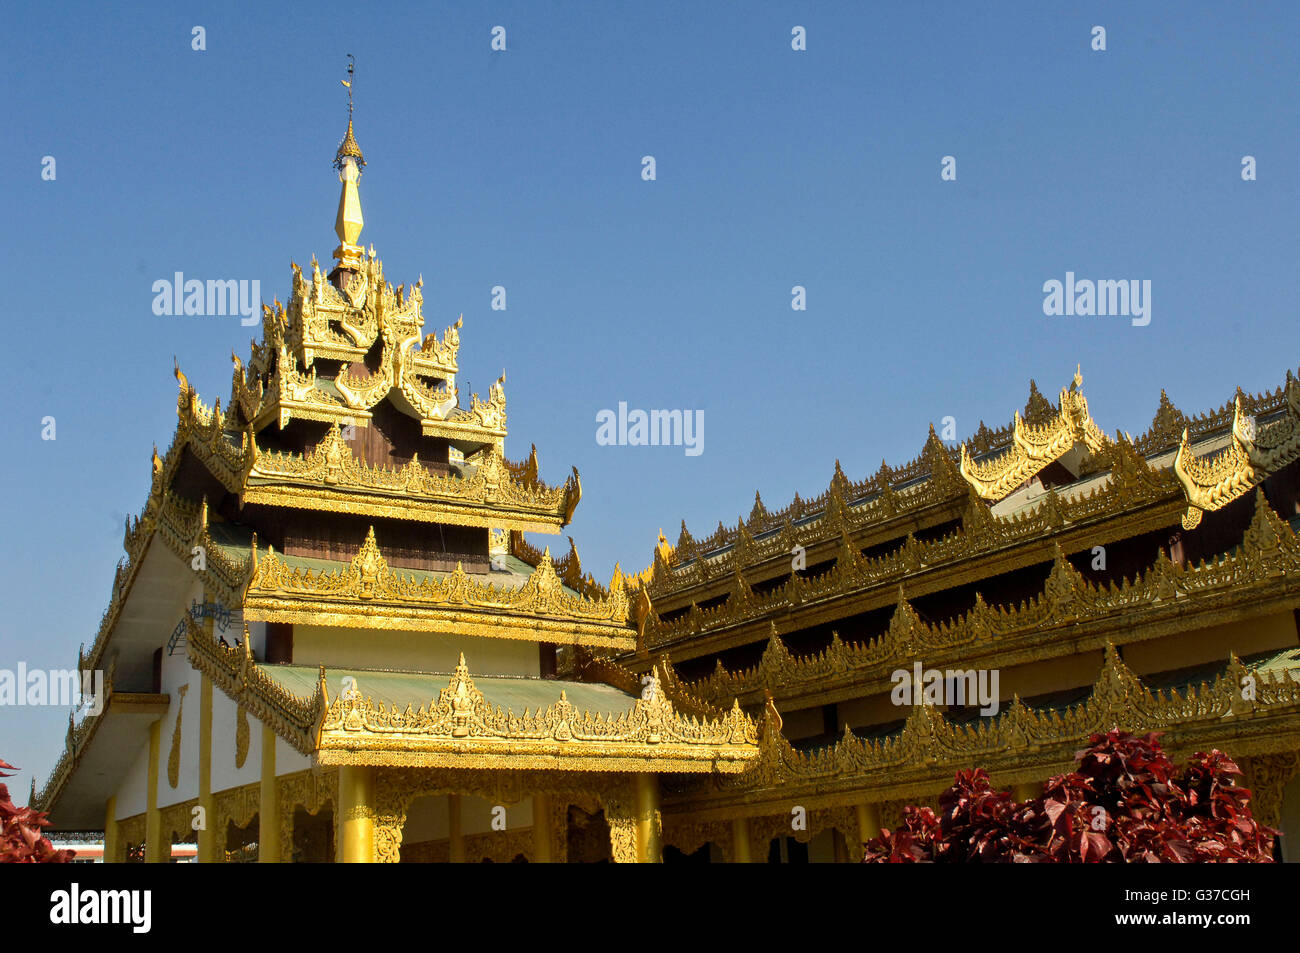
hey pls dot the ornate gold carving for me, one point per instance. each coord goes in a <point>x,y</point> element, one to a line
<point>330,477</point>
<point>1256,449</point>
<point>1132,483</point>
<point>1267,777</point>
<point>312,790</point>
<point>620,814</point>
<point>238,806</point>
<point>370,594</point>
<point>174,756</point>
<point>396,788</point>
<point>1091,613</point>
<point>178,821</point>
<point>233,670</point>
<point>1035,446</point>
<point>930,747</point>
<point>242,734</point>
<point>462,729</point>
<point>689,835</point>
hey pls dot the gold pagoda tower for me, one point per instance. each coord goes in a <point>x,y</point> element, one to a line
<point>331,640</point>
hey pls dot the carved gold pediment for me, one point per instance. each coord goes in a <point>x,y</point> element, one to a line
<point>1034,446</point>
<point>1255,450</point>
<point>462,728</point>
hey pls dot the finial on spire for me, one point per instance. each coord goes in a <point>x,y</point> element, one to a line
<point>348,148</point>
<point>349,162</point>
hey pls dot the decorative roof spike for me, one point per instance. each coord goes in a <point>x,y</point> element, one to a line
<point>840,481</point>
<point>684,538</point>
<point>349,162</point>
<point>1037,408</point>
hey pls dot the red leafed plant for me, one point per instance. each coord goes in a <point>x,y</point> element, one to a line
<point>1124,803</point>
<point>21,840</point>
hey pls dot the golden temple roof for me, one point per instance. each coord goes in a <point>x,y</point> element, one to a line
<point>1206,461</point>
<point>375,719</point>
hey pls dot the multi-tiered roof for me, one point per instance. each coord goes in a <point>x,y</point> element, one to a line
<point>344,432</point>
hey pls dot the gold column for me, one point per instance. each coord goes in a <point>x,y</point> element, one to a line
<point>268,831</point>
<point>153,845</point>
<point>112,833</point>
<point>740,841</point>
<point>207,836</point>
<point>456,832</point>
<point>649,834</point>
<point>868,826</point>
<point>543,832</point>
<point>356,815</point>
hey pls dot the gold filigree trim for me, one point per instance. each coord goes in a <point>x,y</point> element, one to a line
<point>1034,447</point>
<point>462,729</point>
<point>1256,450</point>
<point>370,594</point>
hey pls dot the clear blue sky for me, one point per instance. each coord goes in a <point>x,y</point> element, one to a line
<point>523,169</point>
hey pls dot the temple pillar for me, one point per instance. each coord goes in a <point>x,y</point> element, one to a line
<point>868,824</point>
<point>356,815</point>
<point>112,833</point>
<point>649,824</point>
<point>456,830</point>
<point>740,841</point>
<point>543,832</point>
<point>153,845</point>
<point>268,832</point>
<point>207,836</point>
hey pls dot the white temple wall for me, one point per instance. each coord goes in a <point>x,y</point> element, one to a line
<point>225,774</point>
<point>176,674</point>
<point>336,647</point>
<point>133,792</point>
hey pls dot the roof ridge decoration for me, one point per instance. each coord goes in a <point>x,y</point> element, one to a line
<point>323,322</point>
<point>540,607</point>
<point>1165,432</point>
<point>332,464</point>
<point>1256,451</point>
<point>1133,482</point>
<point>311,478</point>
<point>1035,445</point>
<point>569,568</point>
<point>929,739</point>
<point>234,670</point>
<point>1270,551</point>
<point>684,565</point>
<point>876,493</point>
<point>462,728</point>
<point>599,668</point>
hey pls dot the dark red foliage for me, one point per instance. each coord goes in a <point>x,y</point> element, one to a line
<point>21,841</point>
<point>1124,803</point>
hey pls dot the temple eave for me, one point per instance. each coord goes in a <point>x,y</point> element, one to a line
<point>628,758</point>
<point>486,625</point>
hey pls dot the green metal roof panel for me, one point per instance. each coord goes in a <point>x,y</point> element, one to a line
<point>400,689</point>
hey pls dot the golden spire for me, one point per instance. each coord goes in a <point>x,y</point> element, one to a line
<point>349,162</point>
